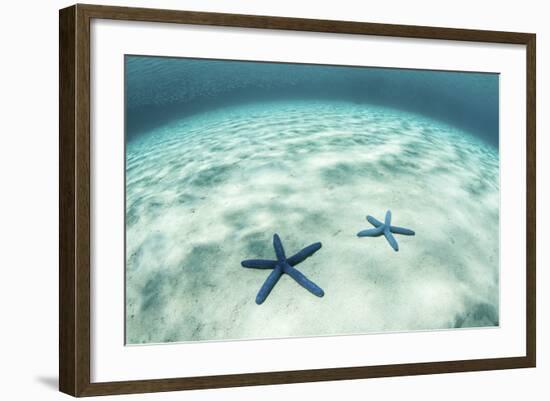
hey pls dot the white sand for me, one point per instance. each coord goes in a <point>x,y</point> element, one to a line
<point>207,192</point>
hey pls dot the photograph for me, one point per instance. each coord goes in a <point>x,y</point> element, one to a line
<point>266,199</point>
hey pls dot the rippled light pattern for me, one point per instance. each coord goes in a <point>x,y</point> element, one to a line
<point>209,189</point>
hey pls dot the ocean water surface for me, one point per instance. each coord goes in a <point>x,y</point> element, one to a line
<point>220,155</point>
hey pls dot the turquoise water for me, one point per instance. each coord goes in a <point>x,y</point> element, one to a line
<point>159,89</point>
<point>218,159</point>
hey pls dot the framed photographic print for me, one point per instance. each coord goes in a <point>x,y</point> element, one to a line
<point>250,200</point>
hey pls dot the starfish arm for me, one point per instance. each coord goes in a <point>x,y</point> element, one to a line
<point>304,281</point>
<point>268,285</point>
<point>279,250</point>
<point>259,263</point>
<point>387,218</point>
<point>391,239</point>
<point>371,232</point>
<point>374,222</point>
<point>401,230</point>
<point>304,254</point>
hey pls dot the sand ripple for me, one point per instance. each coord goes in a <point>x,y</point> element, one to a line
<point>208,191</point>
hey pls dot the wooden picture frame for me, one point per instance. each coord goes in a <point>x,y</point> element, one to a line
<point>74,200</point>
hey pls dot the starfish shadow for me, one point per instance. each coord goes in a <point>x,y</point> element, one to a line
<point>284,265</point>
<point>385,229</point>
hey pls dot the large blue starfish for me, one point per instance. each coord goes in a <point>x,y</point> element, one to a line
<point>284,265</point>
<point>385,228</point>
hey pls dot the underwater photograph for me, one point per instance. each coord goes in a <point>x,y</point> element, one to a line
<point>275,200</point>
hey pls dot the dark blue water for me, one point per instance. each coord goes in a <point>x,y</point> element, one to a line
<point>160,89</point>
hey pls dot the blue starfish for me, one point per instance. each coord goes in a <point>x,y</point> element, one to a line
<point>385,228</point>
<point>284,265</point>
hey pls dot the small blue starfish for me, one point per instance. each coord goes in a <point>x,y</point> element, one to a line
<point>284,265</point>
<point>385,228</point>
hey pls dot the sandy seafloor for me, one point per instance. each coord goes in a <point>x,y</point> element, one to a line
<point>208,191</point>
